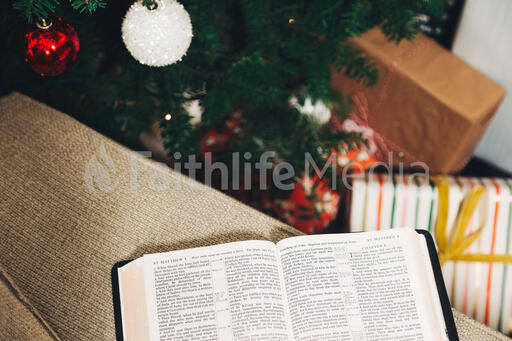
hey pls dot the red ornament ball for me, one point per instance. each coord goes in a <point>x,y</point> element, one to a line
<point>51,47</point>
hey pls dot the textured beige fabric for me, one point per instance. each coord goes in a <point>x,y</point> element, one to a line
<point>70,208</point>
<point>18,318</point>
<point>62,239</point>
<point>471,330</point>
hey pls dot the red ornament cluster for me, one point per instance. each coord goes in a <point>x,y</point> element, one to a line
<point>51,48</point>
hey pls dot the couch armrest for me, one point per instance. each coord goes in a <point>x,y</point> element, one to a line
<point>73,203</point>
<point>19,320</point>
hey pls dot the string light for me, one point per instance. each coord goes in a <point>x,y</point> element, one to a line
<point>167,117</point>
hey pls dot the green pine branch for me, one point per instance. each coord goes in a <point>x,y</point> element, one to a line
<point>355,65</point>
<point>89,6</point>
<point>31,9</point>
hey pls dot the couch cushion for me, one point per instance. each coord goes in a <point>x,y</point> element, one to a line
<point>70,208</point>
<point>19,320</point>
<point>469,329</point>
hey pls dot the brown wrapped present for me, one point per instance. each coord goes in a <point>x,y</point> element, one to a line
<point>428,105</point>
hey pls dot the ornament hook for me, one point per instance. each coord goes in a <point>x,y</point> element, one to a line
<point>150,4</point>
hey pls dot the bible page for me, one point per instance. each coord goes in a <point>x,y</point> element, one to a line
<point>360,286</point>
<point>221,292</point>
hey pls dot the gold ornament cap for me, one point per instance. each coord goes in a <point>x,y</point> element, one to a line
<point>44,23</point>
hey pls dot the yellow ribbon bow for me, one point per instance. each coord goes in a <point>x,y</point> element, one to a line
<point>452,246</point>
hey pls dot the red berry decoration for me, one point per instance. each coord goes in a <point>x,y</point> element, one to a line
<point>51,47</point>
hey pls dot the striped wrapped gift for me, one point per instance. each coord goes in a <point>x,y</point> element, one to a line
<point>481,289</point>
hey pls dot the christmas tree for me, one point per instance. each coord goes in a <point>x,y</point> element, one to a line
<point>258,65</point>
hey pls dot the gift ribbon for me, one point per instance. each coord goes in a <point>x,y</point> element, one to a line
<point>361,119</point>
<point>452,247</point>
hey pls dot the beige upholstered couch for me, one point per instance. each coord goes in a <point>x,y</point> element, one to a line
<point>70,208</point>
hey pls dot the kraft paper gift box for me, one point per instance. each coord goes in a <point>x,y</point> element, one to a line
<point>428,105</point>
<point>482,290</point>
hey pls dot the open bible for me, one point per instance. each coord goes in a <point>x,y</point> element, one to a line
<point>383,285</point>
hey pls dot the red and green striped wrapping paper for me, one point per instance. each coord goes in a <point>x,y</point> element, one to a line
<point>480,290</point>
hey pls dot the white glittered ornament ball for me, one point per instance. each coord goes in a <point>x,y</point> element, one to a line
<point>158,36</point>
<point>318,110</point>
